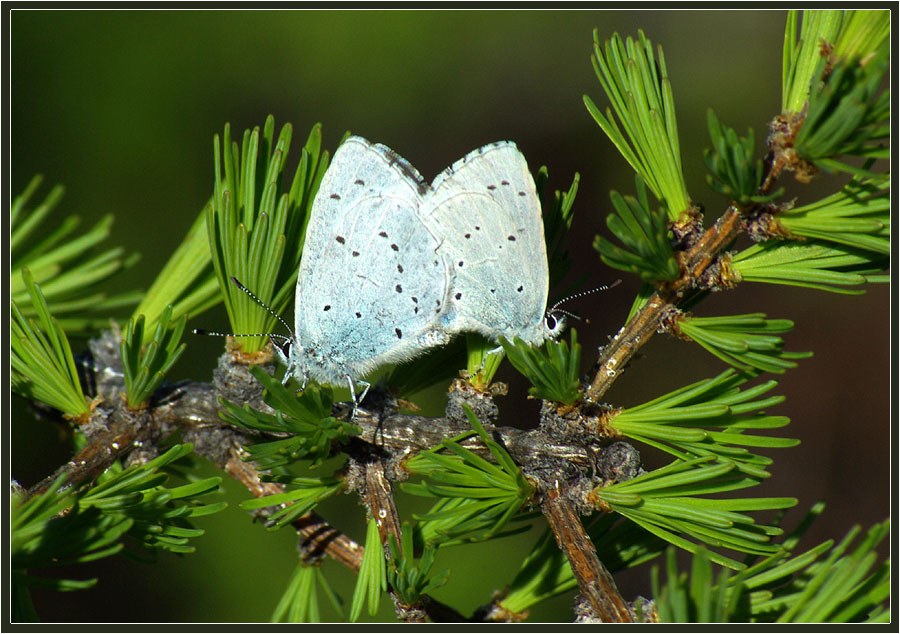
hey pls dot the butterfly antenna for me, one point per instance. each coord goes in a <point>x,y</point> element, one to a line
<point>263,304</point>
<point>555,309</point>
<point>560,311</point>
<point>212,333</point>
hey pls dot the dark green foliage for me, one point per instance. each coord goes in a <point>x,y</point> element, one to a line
<point>709,418</point>
<point>700,600</point>
<point>43,535</point>
<point>558,213</point>
<point>372,579</point>
<point>70,272</point>
<point>41,362</point>
<point>647,249</point>
<point>159,513</point>
<point>821,585</point>
<point>858,216</point>
<point>553,369</point>
<point>300,601</point>
<point>64,526</point>
<point>665,502</point>
<point>848,114</point>
<point>838,66</point>
<point>253,214</point>
<point>145,367</point>
<point>476,498</point>
<point>822,266</point>
<point>409,579</point>
<point>301,497</point>
<point>304,429</point>
<point>747,342</point>
<point>187,281</point>
<point>640,93</point>
<point>306,419</point>
<point>735,171</point>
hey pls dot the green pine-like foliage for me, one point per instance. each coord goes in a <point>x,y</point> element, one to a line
<point>293,446</point>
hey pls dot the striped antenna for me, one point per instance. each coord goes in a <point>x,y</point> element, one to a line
<point>200,331</point>
<point>556,310</point>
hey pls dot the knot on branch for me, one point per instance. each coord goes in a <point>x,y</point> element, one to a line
<point>462,392</point>
<point>719,275</point>
<point>605,460</point>
<point>762,223</point>
<point>687,228</point>
<point>232,379</point>
<point>783,131</point>
<point>668,320</point>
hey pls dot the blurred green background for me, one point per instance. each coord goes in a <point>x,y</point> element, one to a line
<point>121,107</point>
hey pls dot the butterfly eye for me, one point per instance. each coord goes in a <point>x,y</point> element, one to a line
<point>284,346</point>
<point>551,321</point>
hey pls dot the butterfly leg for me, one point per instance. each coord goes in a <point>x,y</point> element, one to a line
<point>288,373</point>
<point>365,390</point>
<point>497,350</point>
<point>357,401</point>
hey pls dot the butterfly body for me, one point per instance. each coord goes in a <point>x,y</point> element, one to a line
<point>393,266</point>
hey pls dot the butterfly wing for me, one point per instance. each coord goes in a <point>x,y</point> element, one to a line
<point>370,286</point>
<point>485,212</point>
